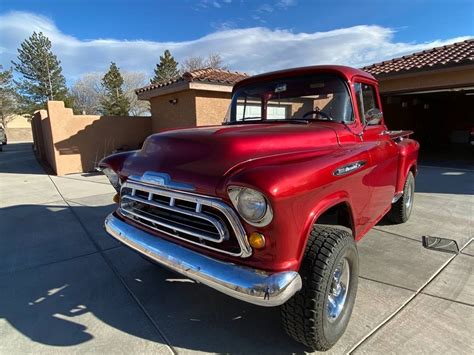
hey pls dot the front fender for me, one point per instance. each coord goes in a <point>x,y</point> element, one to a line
<point>117,161</point>
<point>321,207</point>
<point>300,190</point>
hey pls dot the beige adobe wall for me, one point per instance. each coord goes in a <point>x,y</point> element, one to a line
<point>166,115</point>
<point>19,129</point>
<point>36,134</point>
<point>436,79</point>
<point>41,131</point>
<point>19,122</point>
<point>211,107</point>
<point>76,143</point>
<point>48,142</point>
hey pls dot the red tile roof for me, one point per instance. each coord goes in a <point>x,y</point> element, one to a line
<point>206,75</point>
<point>440,57</point>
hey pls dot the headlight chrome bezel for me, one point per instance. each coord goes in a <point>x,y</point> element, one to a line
<point>235,191</point>
<point>113,177</point>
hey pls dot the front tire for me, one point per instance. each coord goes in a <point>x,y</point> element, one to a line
<point>401,210</point>
<point>318,314</point>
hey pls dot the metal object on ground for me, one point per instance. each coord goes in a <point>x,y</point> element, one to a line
<point>440,244</point>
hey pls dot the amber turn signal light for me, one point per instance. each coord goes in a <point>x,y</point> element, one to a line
<point>257,240</point>
<point>116,198</point>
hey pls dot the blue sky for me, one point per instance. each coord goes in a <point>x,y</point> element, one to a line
<point>252,36</point>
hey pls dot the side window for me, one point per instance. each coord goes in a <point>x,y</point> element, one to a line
<point>366,99</point>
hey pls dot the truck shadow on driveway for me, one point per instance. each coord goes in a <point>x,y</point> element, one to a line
<point>61,299</point>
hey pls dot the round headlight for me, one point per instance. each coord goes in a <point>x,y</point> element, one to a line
<point>251,205</point>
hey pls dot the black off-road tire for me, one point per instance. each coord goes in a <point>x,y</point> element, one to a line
<point>305,315</point>
<point>401,210</point>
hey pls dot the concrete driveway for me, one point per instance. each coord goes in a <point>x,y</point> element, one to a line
<point>66,286</point>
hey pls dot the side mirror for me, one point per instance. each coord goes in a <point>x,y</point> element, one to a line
<point>373,117</point>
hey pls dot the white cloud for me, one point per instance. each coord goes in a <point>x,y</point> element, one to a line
<point>265,8</point>
<point>286,3</point>
<point>278,5</point>
<point>204,4</point>
<point>252,50</point>
<point>223,25</point>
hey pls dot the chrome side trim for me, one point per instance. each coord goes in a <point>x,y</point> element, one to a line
<point>225,209</point>
<point>247,284</point>
<point>349,168</point>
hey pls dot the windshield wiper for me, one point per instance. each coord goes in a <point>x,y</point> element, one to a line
<point>286,120</point>
<point>248,120</point>
<point>293,120</point>
<point>312,119</point>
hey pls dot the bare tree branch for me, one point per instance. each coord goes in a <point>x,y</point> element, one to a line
<point>88,92</point>
<point>213,61</point>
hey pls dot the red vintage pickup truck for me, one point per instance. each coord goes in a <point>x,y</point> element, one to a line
<point>268,206</point>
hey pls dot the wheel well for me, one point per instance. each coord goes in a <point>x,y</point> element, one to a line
<point>338,215</point>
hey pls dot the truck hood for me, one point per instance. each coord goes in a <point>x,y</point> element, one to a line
<point>203,156</point>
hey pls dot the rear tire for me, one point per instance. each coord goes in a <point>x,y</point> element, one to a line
<point>401,210</point>
<point>310,316</point>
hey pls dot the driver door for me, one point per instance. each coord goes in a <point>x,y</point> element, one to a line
<point>382,150</point>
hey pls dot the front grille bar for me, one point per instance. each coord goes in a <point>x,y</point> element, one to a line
<point>223,235</point>
<point>199,201</point>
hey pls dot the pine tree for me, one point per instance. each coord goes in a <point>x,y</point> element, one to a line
<point>41,71</point>
<point>166,69</point>
<point>8,97</point>
<point>114,101</point>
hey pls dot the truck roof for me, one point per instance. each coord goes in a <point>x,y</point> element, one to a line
<point>345,72</point>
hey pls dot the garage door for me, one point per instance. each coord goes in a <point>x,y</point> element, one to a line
<point>273,112</point>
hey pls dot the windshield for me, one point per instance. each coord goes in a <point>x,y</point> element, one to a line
<point>320,97</point>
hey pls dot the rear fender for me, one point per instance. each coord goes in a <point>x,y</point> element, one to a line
<point>407,161</point>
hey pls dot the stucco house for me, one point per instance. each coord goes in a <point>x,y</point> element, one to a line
<point>431,92</point>
<point>195,98</point>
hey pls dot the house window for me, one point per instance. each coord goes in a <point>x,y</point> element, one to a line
<point>366,99</point>
<point>275,112</point>
<point>248,112</point>
<point>254,111</point>
<point>249,109</point>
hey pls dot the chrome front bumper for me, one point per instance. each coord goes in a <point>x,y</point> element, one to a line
<point>247,284</point>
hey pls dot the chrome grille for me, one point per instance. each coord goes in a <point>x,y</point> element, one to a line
<point>205,221</point>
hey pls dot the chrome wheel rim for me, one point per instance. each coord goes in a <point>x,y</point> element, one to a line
<point>409,200</point>
<point>338,290</point>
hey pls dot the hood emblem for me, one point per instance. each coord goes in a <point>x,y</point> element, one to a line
<point>162,180</point>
